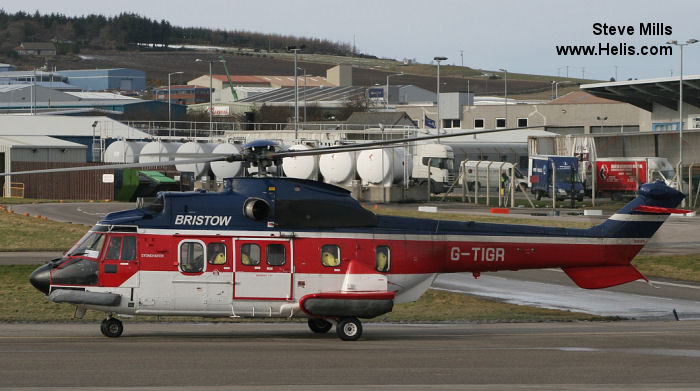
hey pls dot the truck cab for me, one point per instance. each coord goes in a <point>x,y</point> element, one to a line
<point>436,161</point>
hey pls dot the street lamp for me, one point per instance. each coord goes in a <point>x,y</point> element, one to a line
<point>304,69</point>
<point>439,121</point>
<point>680,112</point>
<point>170,126</point>
<point>601,119</point>
<point>295,49</point>
<point>387,87</point>
<point>505,91</point>
<point>211,93</point>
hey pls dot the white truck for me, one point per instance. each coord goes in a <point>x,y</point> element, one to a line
<point>441,159</point>
<point>490,173</point>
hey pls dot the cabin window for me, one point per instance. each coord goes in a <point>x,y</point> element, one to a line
<point>250,254</point>
<point>216,253</point>
<point>478,123</point>
<point>500,122</point>
<point>275,254</point>
<point>522,122</point>
<point>330,255</point>
<point>191,257</point>
<point>383,258</point>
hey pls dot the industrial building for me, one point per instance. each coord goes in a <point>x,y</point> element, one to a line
<point>28,98</point>
<point>183,94</point>
<point>575,113</point>
<point>337,76</point>
<point>122,79</point>
<point>36,49</point>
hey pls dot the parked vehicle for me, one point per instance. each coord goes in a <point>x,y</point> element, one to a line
<point>567,181</point>
<point>441,159</point>
<point>490,173</point>
<point>618,177</point>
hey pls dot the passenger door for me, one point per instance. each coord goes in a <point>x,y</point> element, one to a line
<point>263,269</point>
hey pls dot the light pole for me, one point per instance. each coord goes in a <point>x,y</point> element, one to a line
<point>680,112</point>
<point>295,49</point>
<point>601,119</point>
<point>387,87</point>
<point>439,121</point>
<point>304,69</point>
<point>170,126</point>
<point>211,90</point>
<point>505,91</point>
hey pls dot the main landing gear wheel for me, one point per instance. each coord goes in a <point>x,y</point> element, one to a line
<point>112,327</point>
<point>349,329</point>
<point>318,325</point>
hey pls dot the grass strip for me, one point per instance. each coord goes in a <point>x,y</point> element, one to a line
<point>22,303</point>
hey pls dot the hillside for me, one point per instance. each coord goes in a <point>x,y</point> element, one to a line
<point>366,72</point>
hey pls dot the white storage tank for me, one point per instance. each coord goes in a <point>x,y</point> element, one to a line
<point>194,150</point>
<point>301,167</point>
<point>338,168</point>
<point>223,169</point>
<point>123,151</point>
<point>158,151</point>
<point>383,166</point>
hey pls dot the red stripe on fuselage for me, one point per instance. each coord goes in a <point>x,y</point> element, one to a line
<point>160,252</point>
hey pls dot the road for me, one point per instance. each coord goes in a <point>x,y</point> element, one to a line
<point>580,355</point>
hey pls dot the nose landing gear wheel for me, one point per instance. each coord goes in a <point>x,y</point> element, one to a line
<point>319,325</point>
<point>112,327</point>
<point>349,329</point>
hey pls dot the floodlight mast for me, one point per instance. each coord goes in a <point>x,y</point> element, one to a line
<point>680,113</point>
<point>439,120</point>
<point>295,49</point>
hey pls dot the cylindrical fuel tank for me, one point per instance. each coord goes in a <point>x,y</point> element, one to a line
<point>158,151</point>
<point>123,151</point>
<point>301,167</point>
<point>338,168</point>
<point>194,150</point>
<point>383,166</point>
<point>223,169</point>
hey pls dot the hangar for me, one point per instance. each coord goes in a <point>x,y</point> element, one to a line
<point>659,96</point>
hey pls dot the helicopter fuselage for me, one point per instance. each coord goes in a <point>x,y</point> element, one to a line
<point>273,247</point>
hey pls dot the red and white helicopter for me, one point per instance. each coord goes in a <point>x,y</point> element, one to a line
<point>270,247</point>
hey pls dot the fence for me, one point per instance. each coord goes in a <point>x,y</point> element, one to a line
<point>76,185</point>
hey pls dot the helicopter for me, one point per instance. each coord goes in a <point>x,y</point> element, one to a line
<point>273,247</point>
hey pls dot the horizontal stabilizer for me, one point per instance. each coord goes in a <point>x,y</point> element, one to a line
<point>596,277</point>
<point>659,210</point>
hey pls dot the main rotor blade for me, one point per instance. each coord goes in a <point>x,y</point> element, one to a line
<point>387,143</point>
<point>122,166</point>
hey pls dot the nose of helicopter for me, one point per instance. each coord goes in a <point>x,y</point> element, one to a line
<point>41,278</point>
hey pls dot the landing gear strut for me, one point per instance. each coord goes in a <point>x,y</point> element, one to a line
<point>349,329</point>
<point>112,327</point>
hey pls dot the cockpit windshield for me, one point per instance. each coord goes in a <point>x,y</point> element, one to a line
<point>89,246</point>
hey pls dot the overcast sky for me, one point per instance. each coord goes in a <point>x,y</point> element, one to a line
<point>520,36</point>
